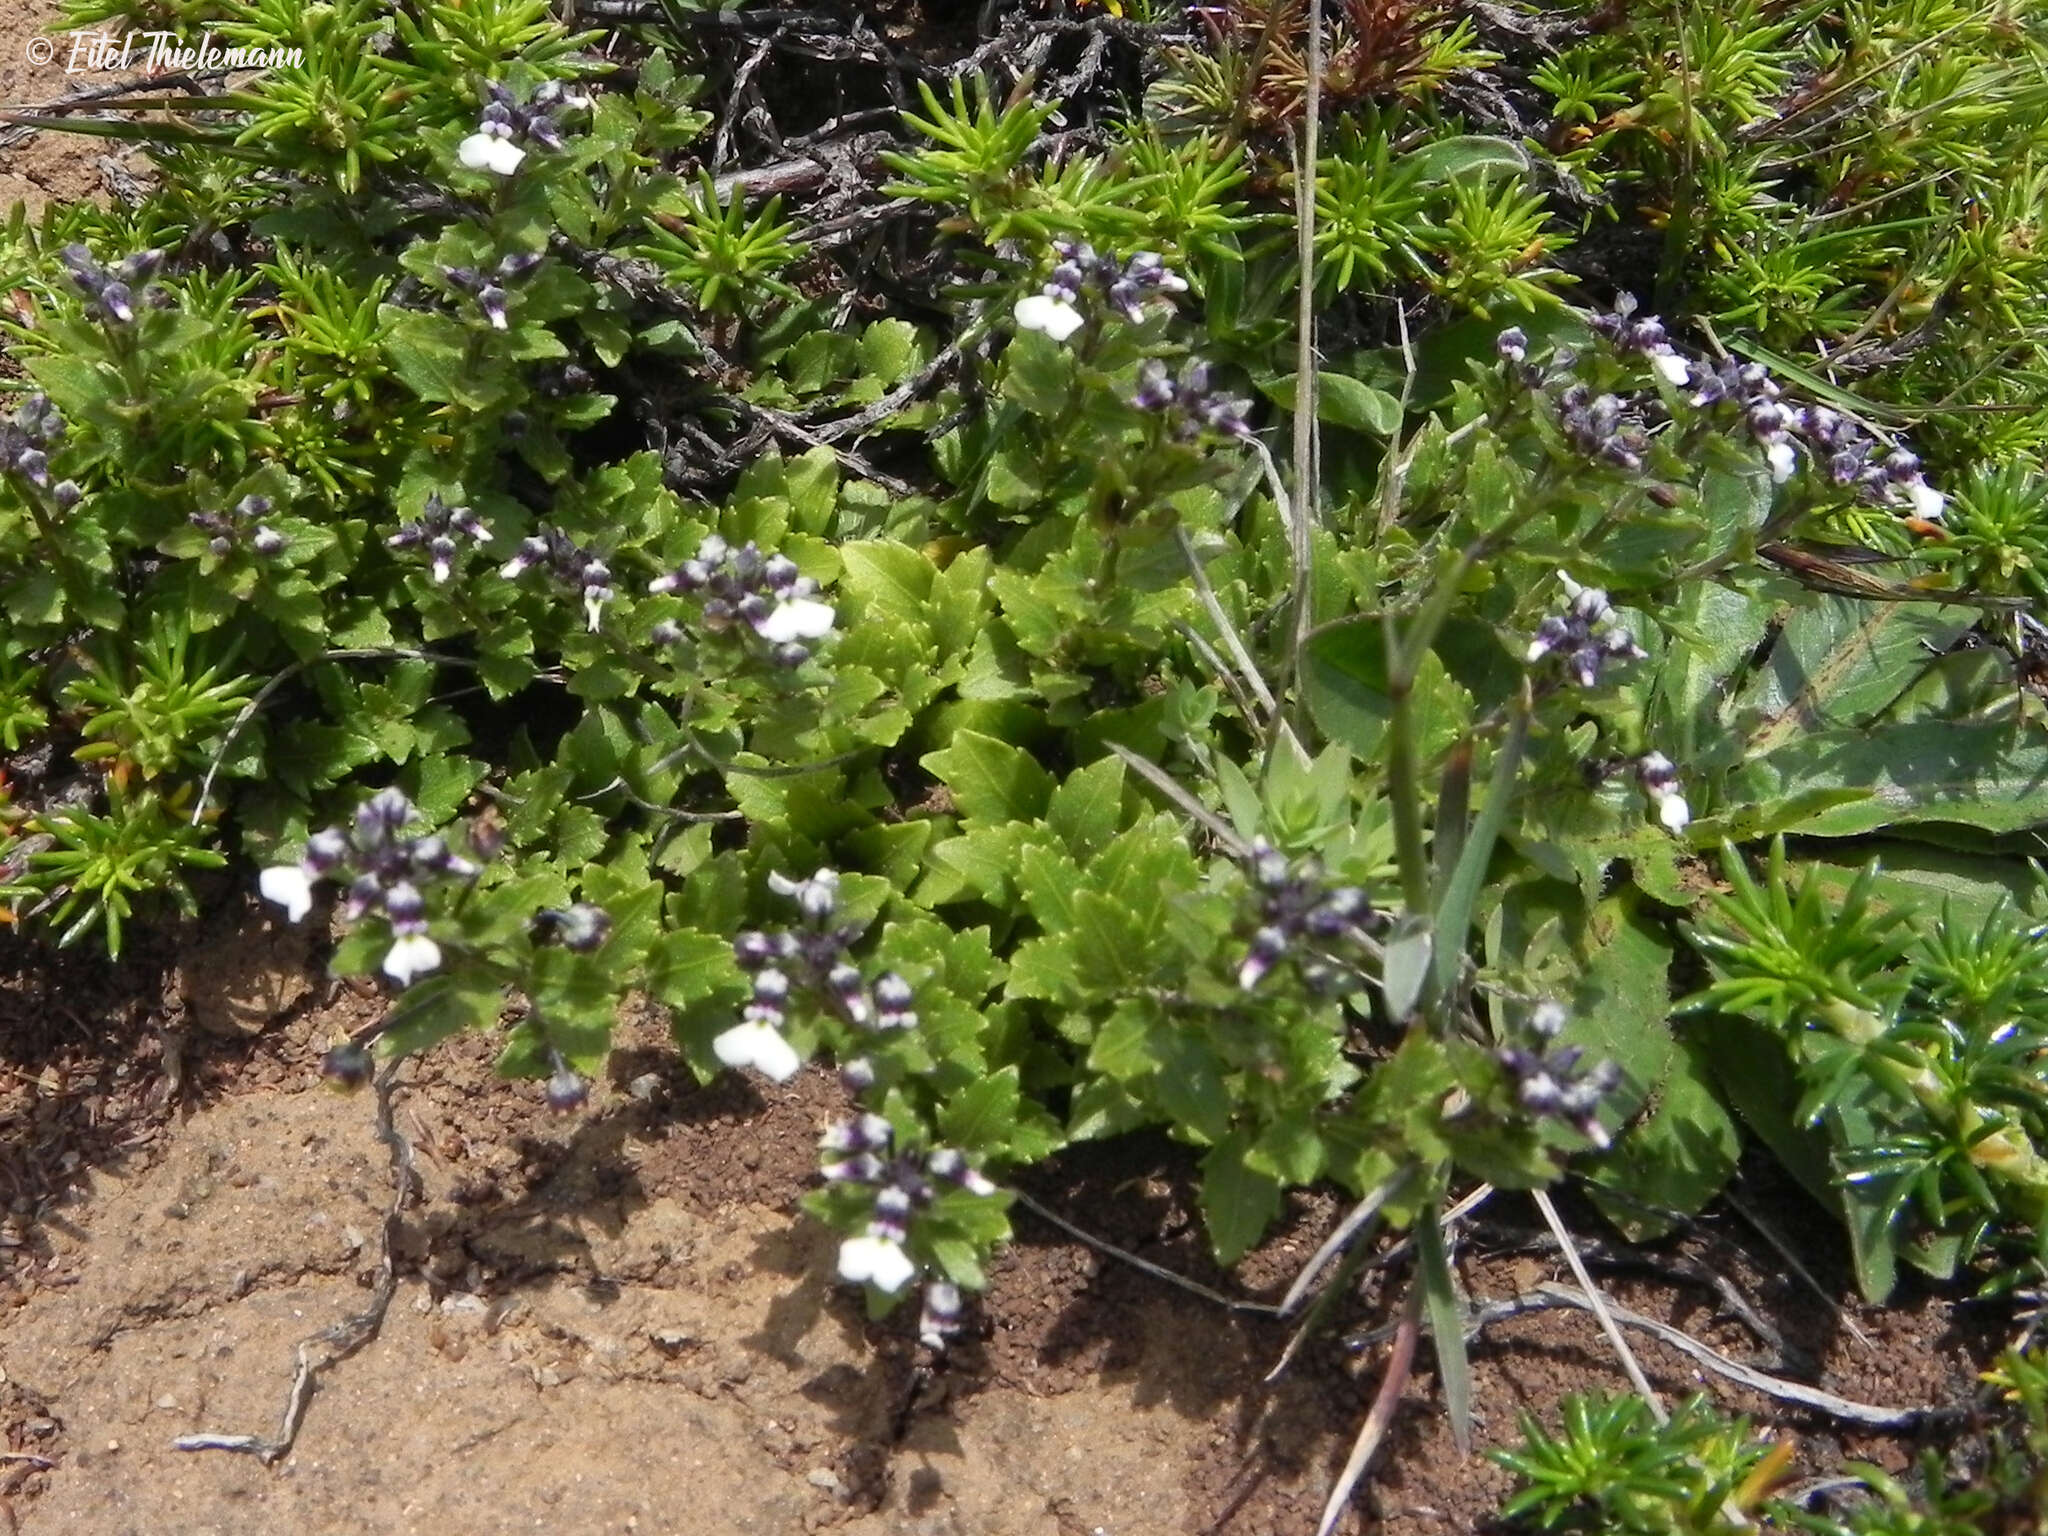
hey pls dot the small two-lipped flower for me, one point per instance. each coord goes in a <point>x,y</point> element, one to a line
<point>381,871</point>
<point>570,564</point>
<point>1123,287</point>
<point>1658,776</point>
<point>504,123</point>
<point>765,592</point>
<point>865,1154</point>
<point>1586,635</point>
<point>811,963</point>
<point>435,528</point>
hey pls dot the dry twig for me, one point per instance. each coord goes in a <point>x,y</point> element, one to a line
<point>334,1344</point>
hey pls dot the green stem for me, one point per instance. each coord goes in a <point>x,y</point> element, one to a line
<point>1404,776</point>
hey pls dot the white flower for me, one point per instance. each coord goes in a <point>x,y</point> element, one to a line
<point>290,887</point>
<point>413,955</point>
<point>877,1261</point>
<point>1674,812</point>
<point>1927,501</point>
<point>757,1045</point>
<point>798,619</point>
<point>1671,368</point>
<point>1783,460</point>
<point>484,152</point>
<point>1057,318</point>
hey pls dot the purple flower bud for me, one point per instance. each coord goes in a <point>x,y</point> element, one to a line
<point>33,466</point>
<point>267,542</point>
<point>857,1075</point>
<point>584,928</point>
<point>1512,344</point>
<point>751,951</point>
<point>65,494</point>
<point>892,992</point>
<point>862,1168</point>
<point>492,300</point>
<point>347,1067</point>
<point>325,851</point>
<point>567,1091</point>
<point>1155,387</point>
<point>117,302</point>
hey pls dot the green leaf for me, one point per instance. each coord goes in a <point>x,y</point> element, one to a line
<point>1446,1324</point>
<point>1465,158</point>
<point>1670,1164</point>
<point>1084,811</point>
<point>1971,773</point>
<point>991,780</point>
<point>1238,1203</point>
<point>1342,401</point>
<point>982,1116</point>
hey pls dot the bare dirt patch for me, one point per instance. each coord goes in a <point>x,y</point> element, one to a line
<point>41,168</point>
<point>617,1321</point>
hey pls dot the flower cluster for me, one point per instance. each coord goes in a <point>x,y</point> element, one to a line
<point>504,123</point>
<point>1188,401</point>
<point>572,565</point>
<point>1122,286</point>
<point>1612,428</point>
<point>1552,1080</point>
<point>1297,907</point>
<point>487,288</point>
<point>383,870</point>
<point>1645,338</point>
<point>241,524</point>
<point>744,587</point>
<point>865,1154</point>
<point>435,528</point>
<point>1584,635</point>
<point>809,962</point>
<point>25,444</point>
<point>1658,776</point>
<point>113,295</point>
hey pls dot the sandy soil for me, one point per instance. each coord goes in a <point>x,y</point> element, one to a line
<point>617,1322</point>
<point>42,168</point>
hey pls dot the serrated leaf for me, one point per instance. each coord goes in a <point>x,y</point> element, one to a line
<point>991,780</point>
<point>1238,1203</point>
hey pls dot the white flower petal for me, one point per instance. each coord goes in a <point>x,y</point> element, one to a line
<point>875,1261</point>
<point>290,887</point>
<point>757,1045</point>
<point>798,619</point>
<point>1674,812</point>
<point>475,151</point>
<point>1671,368</point>
<point>1783,460</point>
<point>504,157</point>
<point>413,955</point>
<point>1927,501</point>
<point>1055,317</point>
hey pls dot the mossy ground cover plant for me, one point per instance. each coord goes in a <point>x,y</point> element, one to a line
<point>882,631</point>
